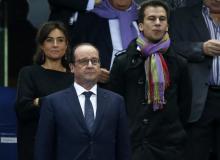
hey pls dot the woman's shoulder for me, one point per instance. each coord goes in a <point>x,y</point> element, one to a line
<point>31,68</point>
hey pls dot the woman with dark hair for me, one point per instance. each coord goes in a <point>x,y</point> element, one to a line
<point>48,74</point>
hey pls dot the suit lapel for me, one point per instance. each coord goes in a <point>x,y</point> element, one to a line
<point>101,105</point>
<point>73,102</point>
<point>200,25</point>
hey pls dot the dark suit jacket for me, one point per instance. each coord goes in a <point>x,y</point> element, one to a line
<point>94,29</point>
<point>155,135</point>
<point>62,10</point>
<point>188,31</point>
<point>63,134</point>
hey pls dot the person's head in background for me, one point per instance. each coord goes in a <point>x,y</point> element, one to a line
<point>153,18</point>
<point>85,64</point>
<point>120,4</point>
<point>52,44</point>
<point>213,5</point>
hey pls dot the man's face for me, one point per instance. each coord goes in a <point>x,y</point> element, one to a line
<point>155,24</point>
<point>121,4</point>
<point>86,67</point>
<point>213,5</point>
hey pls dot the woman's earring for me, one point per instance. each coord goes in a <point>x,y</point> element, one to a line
<point>43,57</point>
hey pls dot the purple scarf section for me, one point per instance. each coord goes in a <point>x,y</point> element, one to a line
<point>154,47</point>
<point>127,29</point>
<point>157,73</point>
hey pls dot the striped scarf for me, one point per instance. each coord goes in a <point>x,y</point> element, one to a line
<point>157,74</point>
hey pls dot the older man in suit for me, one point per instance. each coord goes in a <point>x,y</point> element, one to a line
<point>196,36</point>
<point>84,121</point>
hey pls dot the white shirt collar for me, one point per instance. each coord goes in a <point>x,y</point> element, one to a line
<point>80,89</point>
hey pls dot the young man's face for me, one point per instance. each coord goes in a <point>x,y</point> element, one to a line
<point>155,24</point>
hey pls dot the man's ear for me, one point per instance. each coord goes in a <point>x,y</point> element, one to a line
<point>141,27</point>
<point>71,65</point>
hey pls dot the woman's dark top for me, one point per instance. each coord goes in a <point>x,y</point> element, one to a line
<point>34,82</point>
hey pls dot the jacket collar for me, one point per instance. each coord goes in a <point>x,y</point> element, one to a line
<point>132,51</point>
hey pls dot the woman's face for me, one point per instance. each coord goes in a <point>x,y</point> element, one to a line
<point>55,45</point>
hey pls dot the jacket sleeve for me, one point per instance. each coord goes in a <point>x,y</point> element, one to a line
<point>184,43</point>
<point>123,148</point>
<point>75,5</point>
<point>25,108</point>
<point>45,138</point>
<point>117,83</point>
<point>184,92</point>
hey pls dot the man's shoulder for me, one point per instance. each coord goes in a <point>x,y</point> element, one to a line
<point>187,11</point>
<point>109,93</point>
<point>131,51</point>
<point>59,94</point>
<point>90,22</point>
<point>121,59</point>
<point>121,53</point>
<point>91,17</point>
<point>31,70</point>
<point>176,59</point>
<point>128,57</point>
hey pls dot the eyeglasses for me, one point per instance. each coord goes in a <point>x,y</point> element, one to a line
<point>85,62</point>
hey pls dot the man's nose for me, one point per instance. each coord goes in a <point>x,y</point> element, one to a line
<point>90,63</point>
<point>157,21</point>
<point>55,42</point>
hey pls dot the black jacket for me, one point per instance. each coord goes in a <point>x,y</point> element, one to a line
<point>154,134</point>
<point>62,10</point>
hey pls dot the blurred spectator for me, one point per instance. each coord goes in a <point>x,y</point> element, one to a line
<point>110,27</point>
<point>172,3</point>
<point>38,12</point>
<point>195,33</point>
<point>66,11</point>
<point>21,38</point>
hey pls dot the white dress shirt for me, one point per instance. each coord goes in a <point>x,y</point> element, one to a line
<point>81,97</point>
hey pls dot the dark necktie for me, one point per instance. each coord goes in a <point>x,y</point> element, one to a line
<point>89,113</point>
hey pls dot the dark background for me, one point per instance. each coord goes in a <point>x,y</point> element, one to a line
<point>21,18</point>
